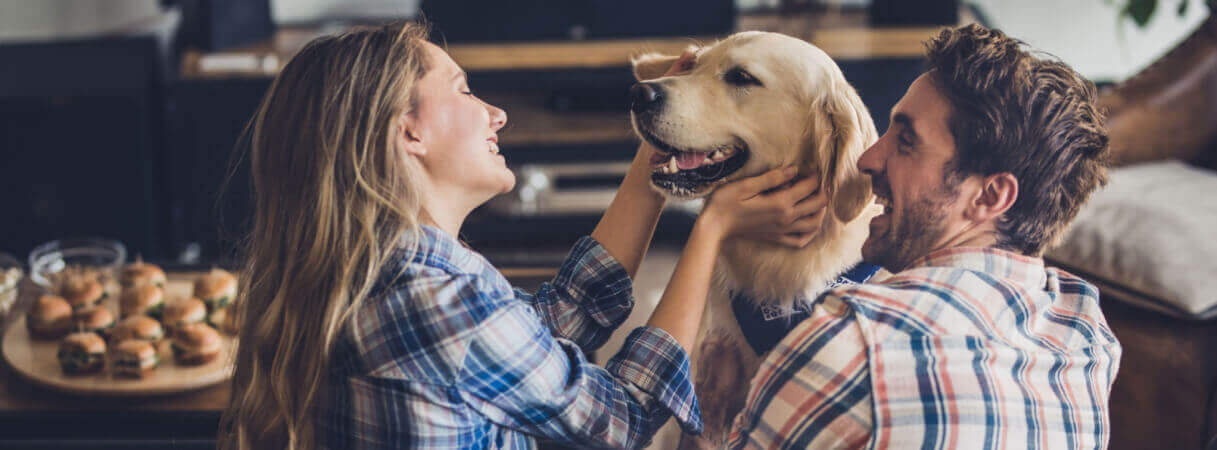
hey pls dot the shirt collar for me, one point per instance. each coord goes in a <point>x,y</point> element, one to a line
<point>435,248</point>
<point>1016,267</point>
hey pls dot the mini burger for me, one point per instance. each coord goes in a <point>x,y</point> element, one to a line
<point>184,312</point>
<point>144,299</point>
<point>82,292</point>
<point>138,273</point>
<point>140,327</point>
<point>49,318</point>
<point>196,344</point>
<point>135,358</point>
<point>217,288</point>
<point>223,320</point>
<point>97,319</point>
<point>81,353</point>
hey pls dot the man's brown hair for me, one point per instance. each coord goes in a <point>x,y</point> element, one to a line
<point>1014,112</point>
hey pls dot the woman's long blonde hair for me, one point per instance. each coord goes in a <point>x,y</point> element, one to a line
<point>333,200</point>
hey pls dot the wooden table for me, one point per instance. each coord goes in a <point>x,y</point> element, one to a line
<point>35,417</point>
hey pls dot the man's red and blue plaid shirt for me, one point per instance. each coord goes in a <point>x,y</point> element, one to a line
<point>972,348</point>
<point>446,354</point>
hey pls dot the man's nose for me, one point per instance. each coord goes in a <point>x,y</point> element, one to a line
<point>871,161</point>
<point>646,97</point>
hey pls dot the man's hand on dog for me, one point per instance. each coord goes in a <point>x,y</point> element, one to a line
<point>778,206</point>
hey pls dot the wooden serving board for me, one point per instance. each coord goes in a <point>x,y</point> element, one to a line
<point>35,359</point>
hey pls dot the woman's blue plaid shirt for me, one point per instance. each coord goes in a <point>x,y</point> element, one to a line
<point>445,353</point>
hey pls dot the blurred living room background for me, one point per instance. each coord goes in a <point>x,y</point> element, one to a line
<point>121,120</point>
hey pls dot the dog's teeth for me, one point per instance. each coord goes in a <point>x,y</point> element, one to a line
<point>708,161</point>
<point>717,156</point>
<point>672,167</point>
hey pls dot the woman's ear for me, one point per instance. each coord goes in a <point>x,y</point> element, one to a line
<point>407,136</point>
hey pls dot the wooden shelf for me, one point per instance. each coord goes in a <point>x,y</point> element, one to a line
<point>843,35</point>
<point>530,122</point>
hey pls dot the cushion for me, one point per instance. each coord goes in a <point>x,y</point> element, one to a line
<point>1153,231</point>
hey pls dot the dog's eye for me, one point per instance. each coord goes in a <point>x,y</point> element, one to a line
<point>740,77</point>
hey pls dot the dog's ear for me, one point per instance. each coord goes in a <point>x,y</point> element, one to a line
<point>650,66</point>
<point>843,131</point>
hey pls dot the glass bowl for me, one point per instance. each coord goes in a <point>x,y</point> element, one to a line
<point>10,277</point>
<point>52,259</point>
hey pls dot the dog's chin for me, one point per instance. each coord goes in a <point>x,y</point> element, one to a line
<point>696,182</point>
<point>686,186</point>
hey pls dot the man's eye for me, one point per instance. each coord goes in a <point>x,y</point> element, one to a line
<point>740,77</point>
<point>906,142</point>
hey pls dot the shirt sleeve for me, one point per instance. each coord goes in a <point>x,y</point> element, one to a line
<point>813,390</point>
<point>588,299</point>
<point>517,374</point>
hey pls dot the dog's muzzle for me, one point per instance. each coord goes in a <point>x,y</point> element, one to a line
<point>646,97</point>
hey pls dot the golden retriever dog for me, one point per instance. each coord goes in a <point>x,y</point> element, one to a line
<point>752,102</point>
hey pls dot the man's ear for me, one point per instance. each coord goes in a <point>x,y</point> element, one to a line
<point>842,131</point>
<point>407,137</point>
<point>650,66</point>
<point>997,194</point>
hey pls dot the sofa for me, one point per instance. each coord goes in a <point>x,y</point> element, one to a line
<point>1148,242</point>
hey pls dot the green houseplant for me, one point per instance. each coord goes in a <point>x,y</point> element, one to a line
<point>1141,11</point>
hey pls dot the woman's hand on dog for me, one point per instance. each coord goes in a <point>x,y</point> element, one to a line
<point>777,206</point>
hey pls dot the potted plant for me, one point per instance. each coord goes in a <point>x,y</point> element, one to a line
<point>1141,11</point>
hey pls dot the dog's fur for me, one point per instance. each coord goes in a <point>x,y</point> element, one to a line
<point>802,112</point>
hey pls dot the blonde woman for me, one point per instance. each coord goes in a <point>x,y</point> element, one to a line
<point>366,323</point>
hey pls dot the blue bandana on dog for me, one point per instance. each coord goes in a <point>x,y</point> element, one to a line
<point>765,325</point>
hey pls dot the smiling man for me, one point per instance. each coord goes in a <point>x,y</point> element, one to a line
<point>972,342</point>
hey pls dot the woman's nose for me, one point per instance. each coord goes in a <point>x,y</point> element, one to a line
<point>498,117</point>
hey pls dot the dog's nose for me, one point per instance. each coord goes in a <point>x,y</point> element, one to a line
<point>645,96</point>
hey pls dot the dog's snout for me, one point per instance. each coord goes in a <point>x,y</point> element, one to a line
<point>645,96</point>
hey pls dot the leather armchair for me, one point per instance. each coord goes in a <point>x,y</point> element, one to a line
<point>1166,393</point>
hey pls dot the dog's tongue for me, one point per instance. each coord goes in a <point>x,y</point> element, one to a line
<point>689,160</point>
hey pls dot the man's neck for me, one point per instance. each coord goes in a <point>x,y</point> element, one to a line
<point>979,236</point>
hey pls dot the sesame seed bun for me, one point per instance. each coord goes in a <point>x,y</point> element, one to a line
<point>223,320</point>
<point>50,317</point>
<point>94,318</point>
<point>85,341</point>
<point>195,344</point>
<point>217,288</point>
<point>81,353</point>
<point>138,273</point>
<point>137,327</point>
<point>82,292</point>
<point>177,314</point>
<point>135,358</point>
<point>144,299</point>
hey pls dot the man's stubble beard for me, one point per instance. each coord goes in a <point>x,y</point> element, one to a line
<point>914,236</point>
